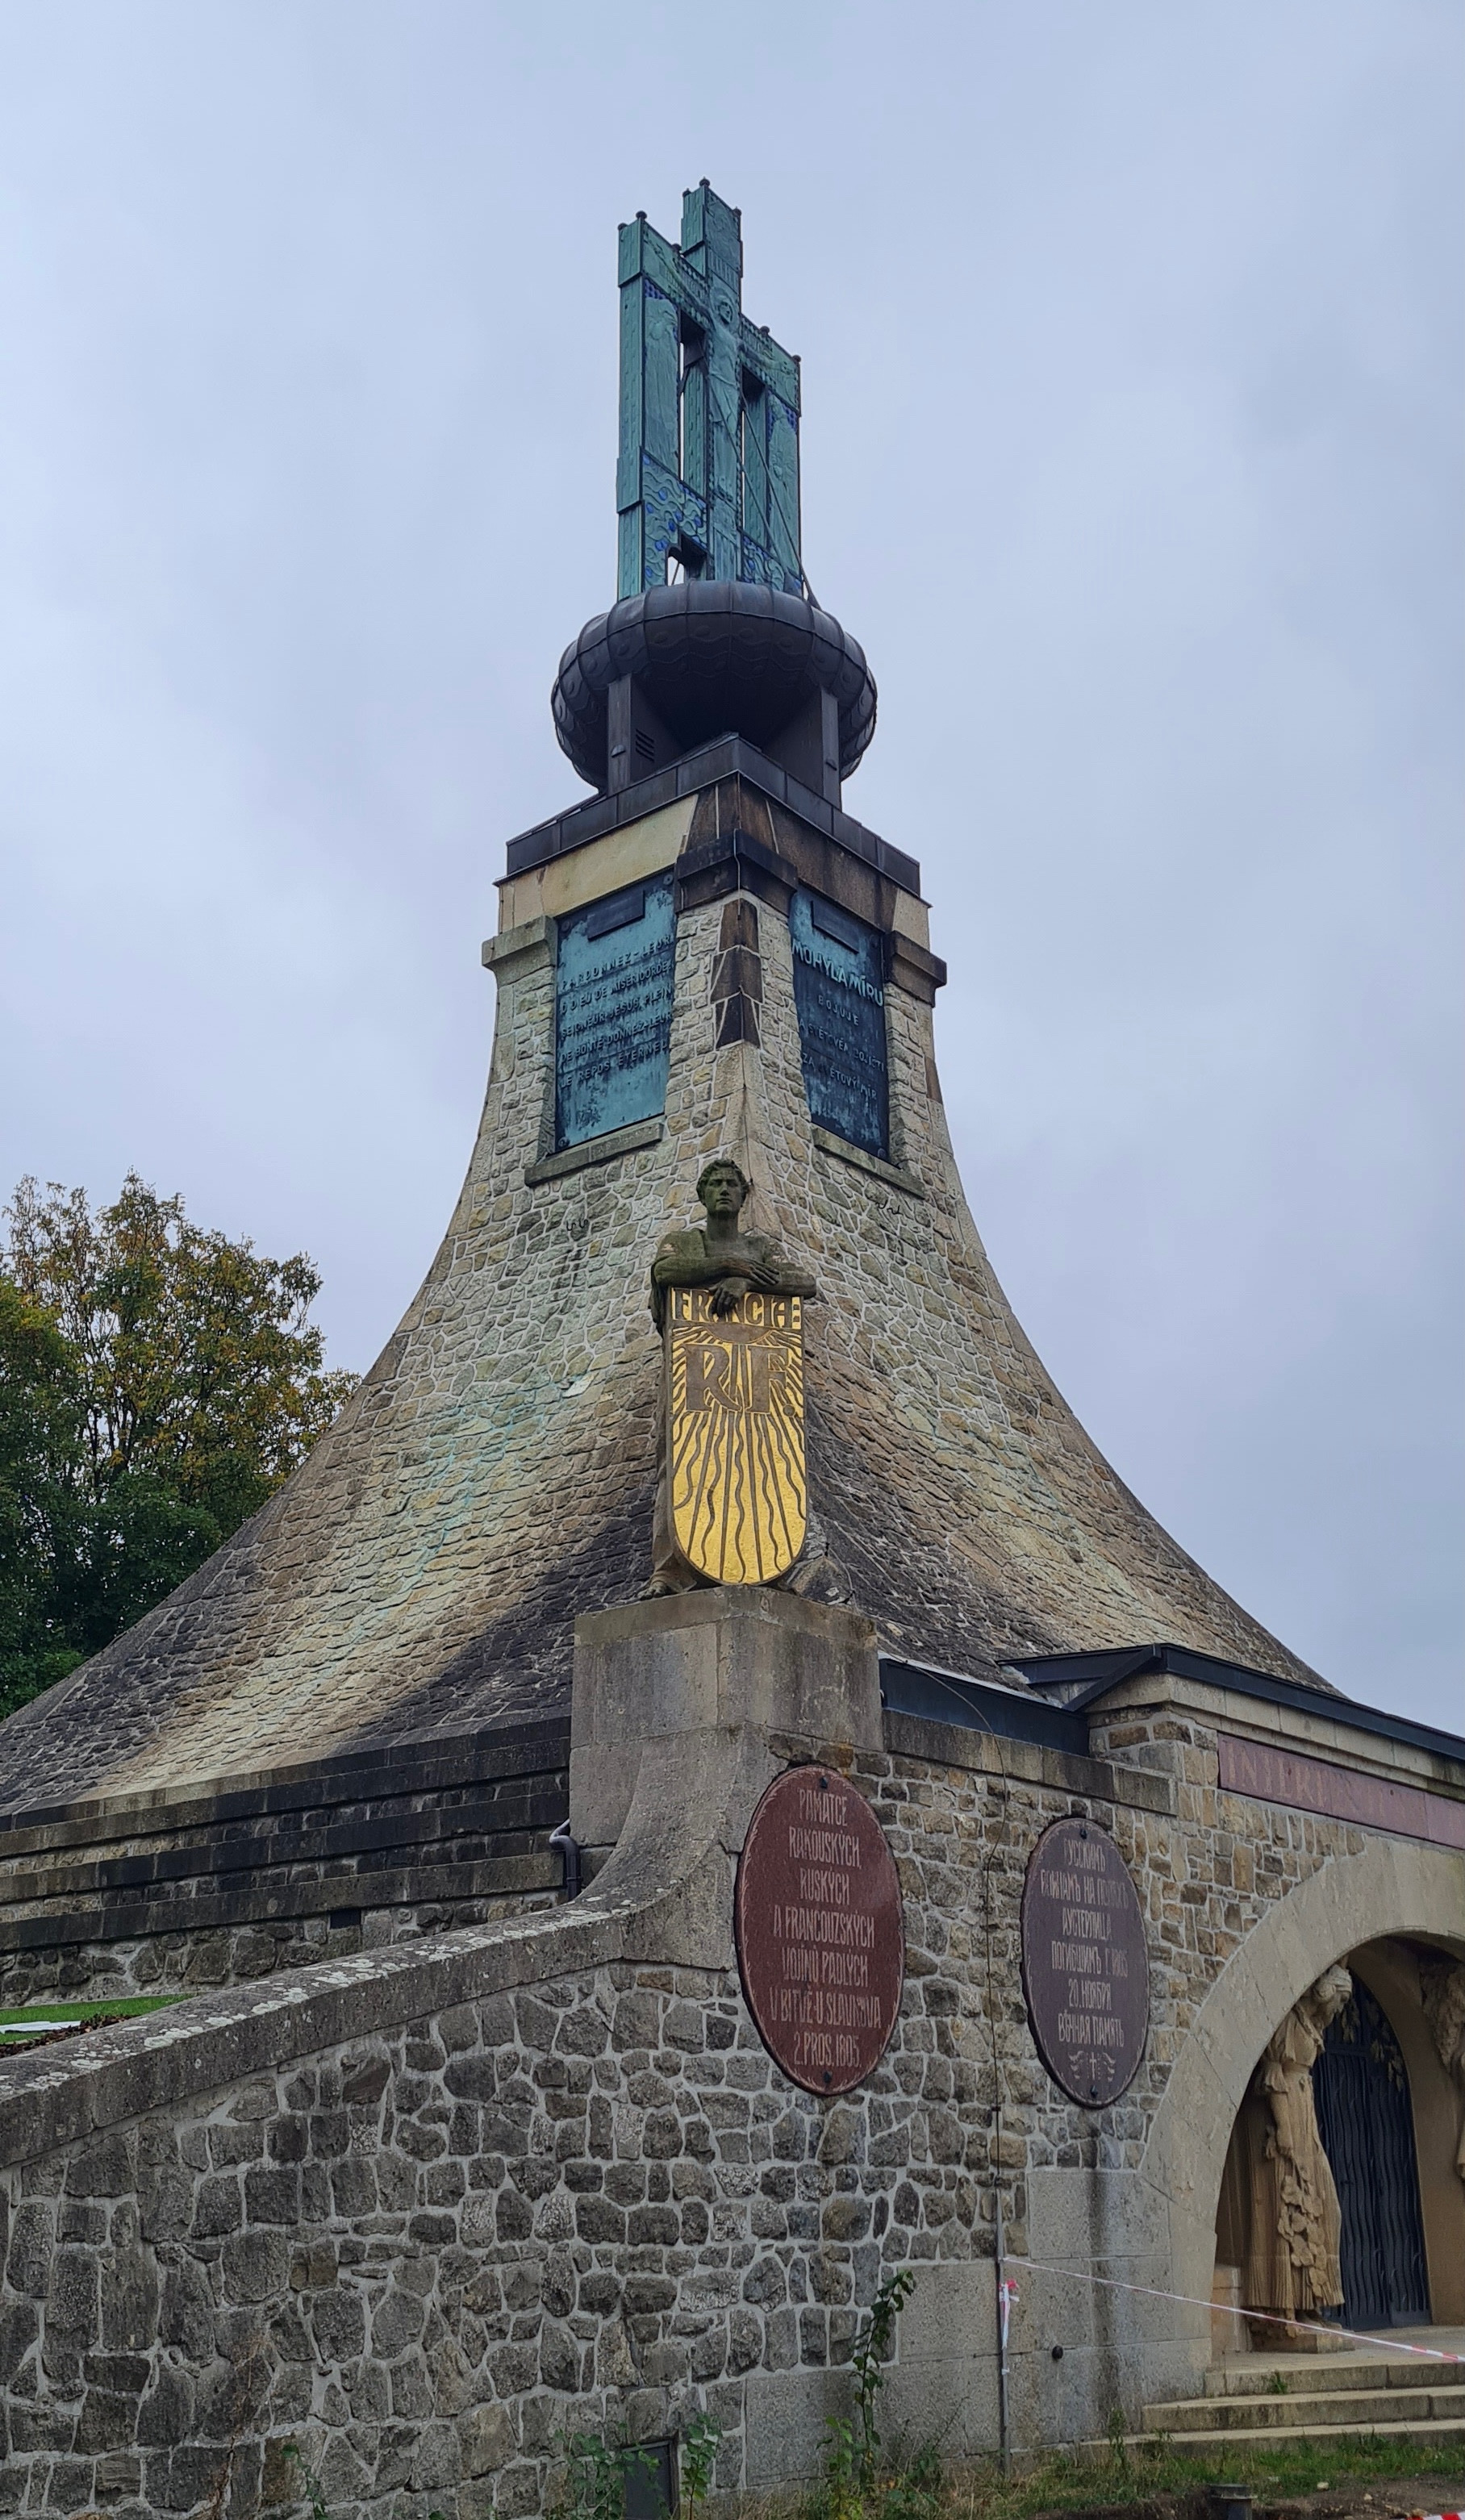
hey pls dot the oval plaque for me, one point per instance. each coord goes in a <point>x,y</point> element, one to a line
<point>1085,1970</point>
<point>821,1945</point>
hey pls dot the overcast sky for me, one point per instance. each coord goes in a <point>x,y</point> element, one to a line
<point>1131,340</point>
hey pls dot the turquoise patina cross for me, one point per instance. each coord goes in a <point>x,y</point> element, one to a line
<point>708,471</point>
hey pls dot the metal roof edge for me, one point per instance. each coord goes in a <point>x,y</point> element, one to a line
<point>724,756</point>
<point>1188,1662</point>
<point>1018,1714</point>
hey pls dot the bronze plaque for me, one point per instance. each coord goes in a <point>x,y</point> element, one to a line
<point>1085,1972</point>
<point>821,1945</point>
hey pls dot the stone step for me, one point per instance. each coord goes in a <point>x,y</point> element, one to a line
<point>1306,2411</point>
<point>1326,2373</point>
<point>1408,2437</point>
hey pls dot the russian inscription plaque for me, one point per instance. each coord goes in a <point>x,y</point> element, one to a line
<point>839,991</point>
<point>1085,1972</point>
<point>821,1944</point>
<point>613,1011</point>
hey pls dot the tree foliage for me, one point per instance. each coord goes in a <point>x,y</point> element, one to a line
<point>158,1381</point>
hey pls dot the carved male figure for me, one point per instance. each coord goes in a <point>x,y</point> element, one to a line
<point>718,1254</point>
<point>1292,2266</point>
<point>731,1263</point>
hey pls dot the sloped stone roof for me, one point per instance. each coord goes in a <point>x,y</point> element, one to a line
<point>493,1475</point>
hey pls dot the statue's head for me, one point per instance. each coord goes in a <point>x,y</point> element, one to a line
<point>1328,1997</point>
<point>722,1186</point>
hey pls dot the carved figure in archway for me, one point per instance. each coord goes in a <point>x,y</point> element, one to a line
<point>1291,2269</point>
<point>1441,1984</point>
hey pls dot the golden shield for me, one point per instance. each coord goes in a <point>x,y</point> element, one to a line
<point>734,1434</point>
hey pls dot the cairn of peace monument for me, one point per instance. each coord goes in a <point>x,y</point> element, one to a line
<point>706,1791</point>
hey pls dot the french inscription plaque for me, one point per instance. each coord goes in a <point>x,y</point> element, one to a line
<point>1085,1972</point>
<point>613,1011</point>
<point>838,992</point>
<point>821,1944</point>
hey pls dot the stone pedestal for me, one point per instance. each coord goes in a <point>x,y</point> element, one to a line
<point>1228,2330</point>
<point>734,1679</point>
<point>1275,2336</point>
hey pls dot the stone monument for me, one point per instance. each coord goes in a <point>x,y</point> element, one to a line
<point>709,957</point>
<point>583,2002</point>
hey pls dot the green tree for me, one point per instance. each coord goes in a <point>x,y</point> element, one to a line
<point>39,1425</point>
<point>158,1381</point>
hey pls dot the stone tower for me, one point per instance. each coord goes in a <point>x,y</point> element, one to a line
<point>708,955</point>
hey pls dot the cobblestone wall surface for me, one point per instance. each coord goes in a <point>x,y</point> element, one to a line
<point>493,1475</point>
<point>190,1961</point>
<point>426,2251</point>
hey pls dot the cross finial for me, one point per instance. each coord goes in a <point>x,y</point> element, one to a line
<point>708,481</point>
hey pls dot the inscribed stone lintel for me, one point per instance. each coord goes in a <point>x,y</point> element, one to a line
<point>1288,1777</point>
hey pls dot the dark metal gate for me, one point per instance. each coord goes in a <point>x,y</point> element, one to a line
<point>1367,2127</point>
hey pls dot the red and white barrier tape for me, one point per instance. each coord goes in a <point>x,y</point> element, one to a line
<point>1270,2319</point>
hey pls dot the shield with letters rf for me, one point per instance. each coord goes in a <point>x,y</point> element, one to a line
<point>735,1433</point>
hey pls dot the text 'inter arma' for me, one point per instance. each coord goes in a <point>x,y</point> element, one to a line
<point>821,1946</point>
<point>1084,1969</point>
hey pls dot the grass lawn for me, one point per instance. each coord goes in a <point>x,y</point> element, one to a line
<point>24,2027</point>
<point>1374,2479</point>
<point>118,2006</point>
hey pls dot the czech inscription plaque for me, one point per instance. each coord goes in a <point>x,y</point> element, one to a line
<point>1085,1972</point>
<point>613,1011</point>
<point>839,991</point>
<point>821,1945</point>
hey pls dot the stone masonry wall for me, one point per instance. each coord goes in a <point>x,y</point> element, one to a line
<point>149,1894</point>
<point>425,2249</point>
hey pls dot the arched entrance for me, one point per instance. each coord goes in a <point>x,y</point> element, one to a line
<point>1378,1910</point>
<point>1366,2121</point>
<point>1355,2105</point>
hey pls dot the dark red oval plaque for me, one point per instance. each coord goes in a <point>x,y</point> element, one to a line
<point>1085,1970</point>
<point>821,1946</point>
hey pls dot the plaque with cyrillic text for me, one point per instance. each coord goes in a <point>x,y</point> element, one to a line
<point>613,970</point>
<point>839,994</point>
<point>1085,1969</point>
<point>821,1942</point>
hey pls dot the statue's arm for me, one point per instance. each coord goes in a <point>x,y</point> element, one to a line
<point>682,1261</point>
<point>776,1276</point>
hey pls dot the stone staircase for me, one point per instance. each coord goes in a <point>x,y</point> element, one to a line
<point>1327,2398</point>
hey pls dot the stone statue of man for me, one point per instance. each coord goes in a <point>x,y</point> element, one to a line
<point>720,1256</point>
<point>1293,2268</point>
